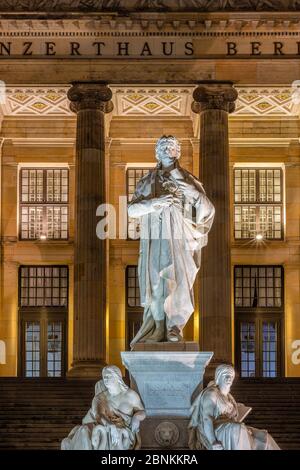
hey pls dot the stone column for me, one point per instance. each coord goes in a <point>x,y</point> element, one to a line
<point>214,101</point>
<point>90,101</point>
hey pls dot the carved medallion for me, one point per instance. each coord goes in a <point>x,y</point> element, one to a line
<point>166,434</point>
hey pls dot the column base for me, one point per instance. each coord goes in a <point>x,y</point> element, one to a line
<point>86,370</point>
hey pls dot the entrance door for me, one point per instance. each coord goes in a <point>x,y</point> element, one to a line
<point>43,313</point>
<point>259,315</point>
<point>43,345</point>
<point>259,346</point>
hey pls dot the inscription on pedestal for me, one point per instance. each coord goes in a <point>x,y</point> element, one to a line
<point>159,395</point>
<point>166,380</point>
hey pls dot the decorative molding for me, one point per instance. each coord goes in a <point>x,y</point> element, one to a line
<point>43,142</point>
<point>231,24</point>
<point>266,101</point>
<point>147,101</point>
<point>99,6</point>
<point>36,101</point>
<point>262,142</point>
<point>153,101</point>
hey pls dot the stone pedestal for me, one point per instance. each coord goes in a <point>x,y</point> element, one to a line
<point>166,381</point>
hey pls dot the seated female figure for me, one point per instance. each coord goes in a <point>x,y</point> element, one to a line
<point>114,419</point>
<point>215,421</point>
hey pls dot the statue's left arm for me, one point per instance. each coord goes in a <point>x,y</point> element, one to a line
<point>138,411</point>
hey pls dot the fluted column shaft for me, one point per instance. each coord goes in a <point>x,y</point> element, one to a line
<point>90,101</point>
<point>213,102</point>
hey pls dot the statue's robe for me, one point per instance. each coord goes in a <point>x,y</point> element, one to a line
<point>223,412</point>
<point>95,432</point>
<point>170,245</point>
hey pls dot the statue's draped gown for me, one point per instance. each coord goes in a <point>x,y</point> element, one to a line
<point>223,411</point>
<point>95,432</point>
<point>170,246</point>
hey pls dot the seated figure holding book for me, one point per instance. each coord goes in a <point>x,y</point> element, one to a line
<point>217,420</point>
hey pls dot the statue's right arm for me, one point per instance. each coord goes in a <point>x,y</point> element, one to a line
<point>139,207</point>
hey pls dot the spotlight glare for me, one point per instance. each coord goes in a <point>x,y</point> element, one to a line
<point>43,237</point>
<point>259,237</point>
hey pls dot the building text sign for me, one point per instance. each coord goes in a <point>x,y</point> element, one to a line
<point>165,47</point>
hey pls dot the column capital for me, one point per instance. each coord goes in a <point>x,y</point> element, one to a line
<point>90,95</point>
<point>214,96</point>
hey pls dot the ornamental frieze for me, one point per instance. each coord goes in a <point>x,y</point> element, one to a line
<point>147,5</point>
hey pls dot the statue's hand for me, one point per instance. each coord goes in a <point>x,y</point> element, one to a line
<point>163,201</point>
<point>217,446</point>
<point>114,435</point>
<point>135,424</point>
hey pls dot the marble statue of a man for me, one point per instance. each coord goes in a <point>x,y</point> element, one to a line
<point>113,421</point>
<point>216,423</point>
<point>175,216</point>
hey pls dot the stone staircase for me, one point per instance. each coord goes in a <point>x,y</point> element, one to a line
<point>275,407</point>
<point>39,413</point>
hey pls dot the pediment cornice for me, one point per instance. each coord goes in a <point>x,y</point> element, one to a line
<point>160,6</point>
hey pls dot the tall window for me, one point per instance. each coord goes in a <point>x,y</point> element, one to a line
<point>258,199</point>
<point>44,286</point>
<point>258,286</point>
<point>259,319</point>
<point>134,308</point>
<point>43,307</point>
<point>133,289</point>
<point>133,177</point>
<point>44,197</point>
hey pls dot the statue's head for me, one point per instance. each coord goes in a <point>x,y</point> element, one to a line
<point>224,377</point>
<point>112,378</point>
<point>167,150</point>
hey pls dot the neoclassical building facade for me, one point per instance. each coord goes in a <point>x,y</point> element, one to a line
<point>87,88</point>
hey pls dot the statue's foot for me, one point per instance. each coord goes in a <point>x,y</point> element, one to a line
<point>174,335</point>
<point>158,335</point>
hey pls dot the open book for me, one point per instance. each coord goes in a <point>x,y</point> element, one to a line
<point>243,412</point>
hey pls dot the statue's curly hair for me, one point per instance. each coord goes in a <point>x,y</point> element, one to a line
<point>165,139</point>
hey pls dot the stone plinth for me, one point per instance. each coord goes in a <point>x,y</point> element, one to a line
<point>166,380</point>
<point>187,346</point>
